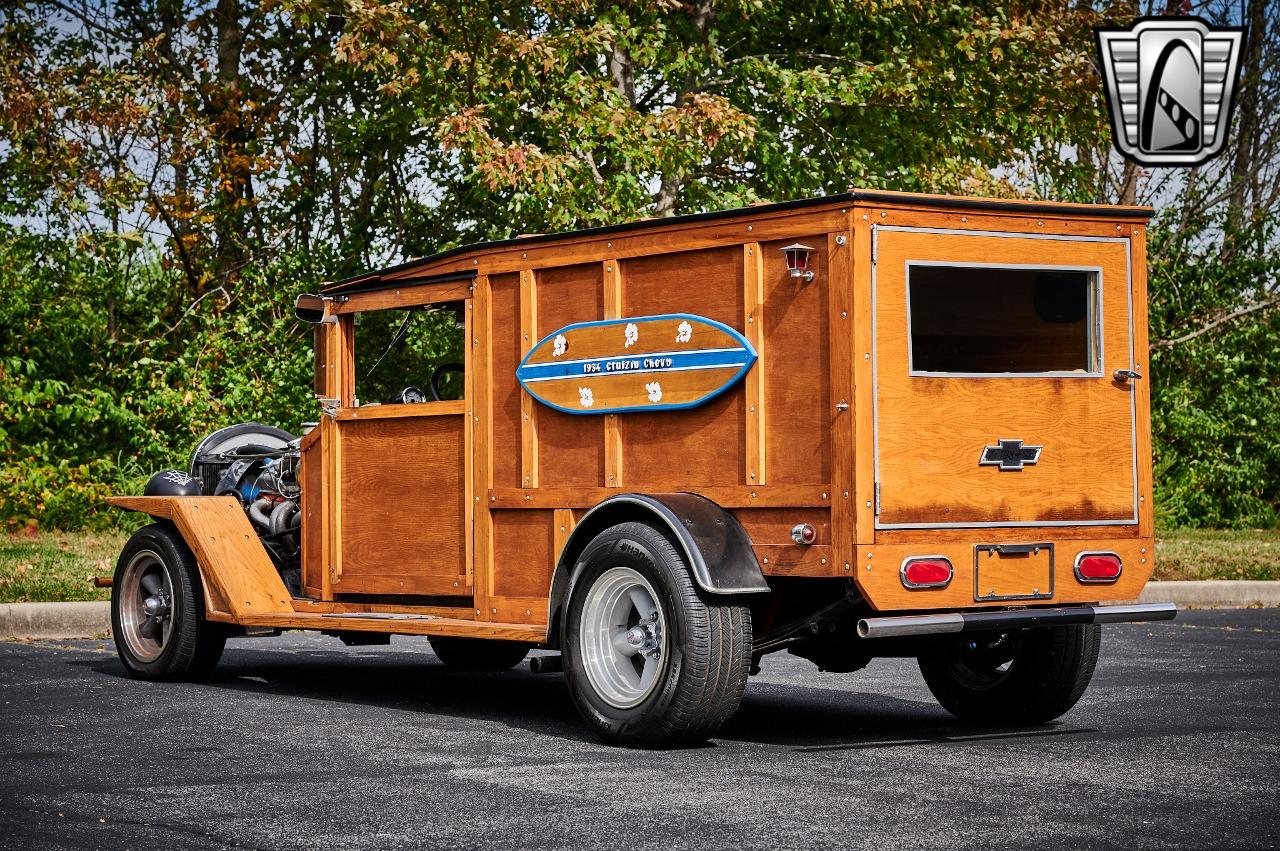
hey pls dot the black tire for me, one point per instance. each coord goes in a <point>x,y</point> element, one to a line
<point>193,645</point>
<point>701,673</point>
<point>479,654</point>
<point>1048,669</point>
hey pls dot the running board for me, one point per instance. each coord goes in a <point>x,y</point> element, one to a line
<point>1006,620</point>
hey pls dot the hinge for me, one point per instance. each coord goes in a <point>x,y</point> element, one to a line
<point>875,243</point>
<point>877,499</point>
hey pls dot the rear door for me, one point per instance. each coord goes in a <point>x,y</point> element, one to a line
<point>995,400</point>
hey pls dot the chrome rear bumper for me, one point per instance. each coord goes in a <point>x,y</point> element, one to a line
<point>1005,620</point>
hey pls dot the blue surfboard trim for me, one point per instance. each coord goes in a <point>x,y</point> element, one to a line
<point>743,343</point>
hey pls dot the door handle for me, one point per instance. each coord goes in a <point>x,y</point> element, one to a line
<point>1123,375</point>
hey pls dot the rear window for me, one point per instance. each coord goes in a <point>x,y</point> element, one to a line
<point>982,320</point>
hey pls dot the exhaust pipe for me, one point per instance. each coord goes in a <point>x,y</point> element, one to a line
<point>546,664</point>
<point>1007,620</point>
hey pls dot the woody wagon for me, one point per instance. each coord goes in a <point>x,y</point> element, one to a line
<point>865,425</point>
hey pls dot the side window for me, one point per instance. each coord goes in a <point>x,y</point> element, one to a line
<point>400,354</point>
<point>974,320</point>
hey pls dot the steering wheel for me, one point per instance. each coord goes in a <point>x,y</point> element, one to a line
<point>439,372</point>
<point>409,396</point>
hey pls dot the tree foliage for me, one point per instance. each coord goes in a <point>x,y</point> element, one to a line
<point>173,172</point>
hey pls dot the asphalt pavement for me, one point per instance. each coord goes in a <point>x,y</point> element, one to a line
<point>302,743</point>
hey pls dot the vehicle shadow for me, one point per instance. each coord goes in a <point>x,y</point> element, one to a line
<point>803,718</point>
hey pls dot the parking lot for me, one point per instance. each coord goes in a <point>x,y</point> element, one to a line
<point>301,743</point>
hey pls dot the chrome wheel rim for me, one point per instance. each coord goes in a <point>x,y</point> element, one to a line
<point>623,636</point>
<point>146,605</point>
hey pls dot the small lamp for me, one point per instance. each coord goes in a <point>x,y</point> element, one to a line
<point>798,260</point>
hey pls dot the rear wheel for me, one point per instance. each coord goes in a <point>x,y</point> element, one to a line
<point>1026,677</point>
<point>157,609</point>
<point>478,654</point>
<point>651,661</point>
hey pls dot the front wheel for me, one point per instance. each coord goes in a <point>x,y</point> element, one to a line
<point>651,661</point>
<point>1026,677</point>
<point>157,609</point>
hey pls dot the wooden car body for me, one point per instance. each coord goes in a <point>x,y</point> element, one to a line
<point>855,400</point>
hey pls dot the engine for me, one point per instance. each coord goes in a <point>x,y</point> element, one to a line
<point>258,465</point>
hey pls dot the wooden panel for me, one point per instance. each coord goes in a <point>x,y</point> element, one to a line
<point>482,445</point>
<point>403,506</point>
<point>528,406</point>
<point>451,407</point>
<point>863,384</point>
<point>1142,388</point>
<point>878,579</point>
<point>564,523</point>
<point>232,560</point>
<point>424,625</point>
<point>522,553</point>
<point>840,325</point>
<point>504,358</point>
<point>522,610</point>
<point>613,308</point>
<point>704,446</point>
<point>932,430</point>
<point>571,448</point>
<point>406,297</point>
<point>311,503</point>
<point>738,496</point>
<point>754,383</point>
<point>772,526</point>
<point>797,370</point>
<point>795,560</point>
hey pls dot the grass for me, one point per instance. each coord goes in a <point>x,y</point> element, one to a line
<point>57,566</point>
<point>1218,554</point>
<point>53,566</point>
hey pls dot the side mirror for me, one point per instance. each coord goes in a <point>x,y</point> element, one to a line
<point>309,308</point>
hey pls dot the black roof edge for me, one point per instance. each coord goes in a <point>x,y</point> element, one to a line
<point>374,279</point>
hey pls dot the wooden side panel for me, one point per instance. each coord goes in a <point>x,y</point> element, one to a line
<point>311,481</point>
<point>231,558</point>
<point>840,325</point>
<point>754,382</point>
<point>1142,389</point>
<point>571,448</point>
<point>482,443</point>
<point>528,407</point>
<point>505,357</point>
<point>403,519</point>
<point>797,369</point>
<point>522,550</point>
<point>613,308</point>
<point>702,446</point>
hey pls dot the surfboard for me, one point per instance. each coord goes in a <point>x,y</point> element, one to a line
<point>640,363</point>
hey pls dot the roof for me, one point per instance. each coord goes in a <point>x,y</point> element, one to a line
<point>372,279</point>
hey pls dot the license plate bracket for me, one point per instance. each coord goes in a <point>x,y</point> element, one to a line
<point>1012,572</point>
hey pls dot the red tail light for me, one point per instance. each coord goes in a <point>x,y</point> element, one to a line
<point>1098,567</point>
<point>926,572</point>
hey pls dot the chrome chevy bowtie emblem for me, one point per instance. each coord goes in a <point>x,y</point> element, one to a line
<point>1009,455</point>
<point>1169,83</point>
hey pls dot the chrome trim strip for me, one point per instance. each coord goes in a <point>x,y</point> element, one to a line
<point>902,572</point>
<point>1076,567</point>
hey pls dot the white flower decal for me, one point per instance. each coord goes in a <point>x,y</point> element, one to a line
<point>558,345</point>
<point>655,391</point>
<point>684,333</point>
<point>585,397</point>
<point>632,333</point>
